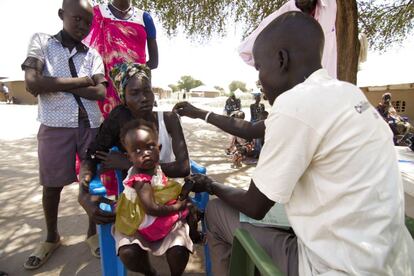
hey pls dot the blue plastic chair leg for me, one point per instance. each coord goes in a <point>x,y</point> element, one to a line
<point>111,265</point>
<point>201,200</point>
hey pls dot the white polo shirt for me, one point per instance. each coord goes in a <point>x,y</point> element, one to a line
<point>329,157</point>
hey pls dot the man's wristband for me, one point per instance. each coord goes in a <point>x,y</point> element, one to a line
<point>207,115</point>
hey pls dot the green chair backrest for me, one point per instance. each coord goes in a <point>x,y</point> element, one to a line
<point>247,255</point>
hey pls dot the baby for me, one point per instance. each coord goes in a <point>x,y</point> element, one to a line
<point>152,206</point>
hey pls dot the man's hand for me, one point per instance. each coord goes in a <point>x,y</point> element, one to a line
<point>187,109</point>
<point>113,160</point>
<point>200,183</point>
<point>91,205</point>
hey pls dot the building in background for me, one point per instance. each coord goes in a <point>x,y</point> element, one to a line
<point>205,91</point>
<point>18,91</point>
<point>402,97</point>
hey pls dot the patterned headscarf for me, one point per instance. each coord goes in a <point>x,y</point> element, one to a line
<point>123,72</point>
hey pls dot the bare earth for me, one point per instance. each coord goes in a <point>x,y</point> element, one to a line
<point>21,218</point>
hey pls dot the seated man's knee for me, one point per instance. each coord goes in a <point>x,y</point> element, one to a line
<point>214,206</point>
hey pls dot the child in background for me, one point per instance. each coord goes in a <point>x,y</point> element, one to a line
<point>240,148</point>
<point>152,198</point>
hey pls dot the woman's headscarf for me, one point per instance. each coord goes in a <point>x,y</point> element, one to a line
<point>123,72</point>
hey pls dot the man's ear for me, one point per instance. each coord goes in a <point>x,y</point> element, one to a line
<point>283,58</point>
<point>60,13</point>
<point>159,147</point>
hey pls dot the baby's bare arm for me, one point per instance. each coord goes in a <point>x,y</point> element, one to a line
<point>151,208</point>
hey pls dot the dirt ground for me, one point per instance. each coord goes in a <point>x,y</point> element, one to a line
<point>21,218</point>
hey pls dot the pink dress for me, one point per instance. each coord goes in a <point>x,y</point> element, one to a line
<point>156,228</point>
<point>119,41</point>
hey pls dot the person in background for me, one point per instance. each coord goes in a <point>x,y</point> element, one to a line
<point>256,111</point>
<point>232,104</point>
<point>324,11</point>
<point>6,92</point>
<point>256,108</point>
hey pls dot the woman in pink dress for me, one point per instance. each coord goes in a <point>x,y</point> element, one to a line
<point>120,33</point>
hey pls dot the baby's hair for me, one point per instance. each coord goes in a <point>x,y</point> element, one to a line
<point>134,125</point>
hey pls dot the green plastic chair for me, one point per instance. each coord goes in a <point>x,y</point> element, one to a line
<point>409,222</point>
<point>247,255</point>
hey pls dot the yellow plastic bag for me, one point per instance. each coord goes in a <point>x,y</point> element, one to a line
<point>168,192</point>
<point>129,216</point>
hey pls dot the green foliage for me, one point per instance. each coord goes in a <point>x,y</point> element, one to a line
<point>386,22</point>
<point>202,19</point>
<point>188,82</point>
<point>174,87</point>
<point>219,88</point>
<point>237,84</point>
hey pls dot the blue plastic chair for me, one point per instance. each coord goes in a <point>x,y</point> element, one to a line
<point>201,200</point>
<point>111,265</point>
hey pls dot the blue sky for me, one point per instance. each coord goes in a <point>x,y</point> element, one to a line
<point>214,62</point>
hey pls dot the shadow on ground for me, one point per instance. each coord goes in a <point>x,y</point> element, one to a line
<point>22,216</point>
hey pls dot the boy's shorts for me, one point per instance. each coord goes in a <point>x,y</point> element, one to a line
<point>57,148</point>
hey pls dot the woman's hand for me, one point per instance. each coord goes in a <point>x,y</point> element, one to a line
<point>113,160</point>
<point>91,205</point>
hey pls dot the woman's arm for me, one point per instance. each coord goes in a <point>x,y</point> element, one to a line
<point>151,208</point>
<point>152,62</point>
<point>181,166</point>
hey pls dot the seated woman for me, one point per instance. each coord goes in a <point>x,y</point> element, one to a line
<point>134,87</point>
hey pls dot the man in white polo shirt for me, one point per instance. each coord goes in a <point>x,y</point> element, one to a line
<point>328,156</point>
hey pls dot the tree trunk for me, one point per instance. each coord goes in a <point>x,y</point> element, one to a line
<point>347,39</point>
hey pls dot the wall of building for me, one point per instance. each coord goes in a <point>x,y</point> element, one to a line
<point>18,91</point>
<point>402,98</point>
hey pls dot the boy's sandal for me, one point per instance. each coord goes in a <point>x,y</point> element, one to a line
<point>41,254</point>
<point>93,243</point>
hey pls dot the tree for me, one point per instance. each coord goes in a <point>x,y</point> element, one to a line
<point>384,22</point>
<point>174,87</point>
<point>237,84</point>
<point>188,82</point>
<point>219,88</point>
